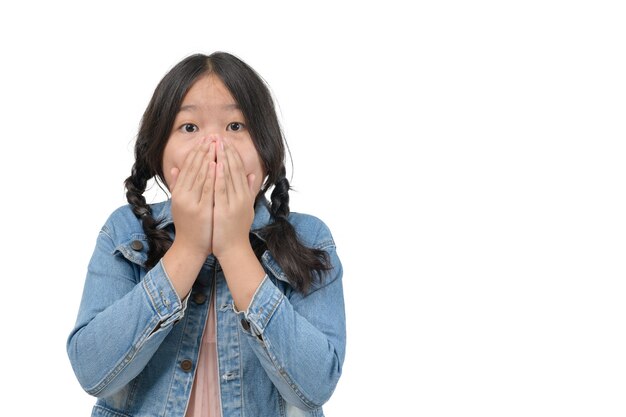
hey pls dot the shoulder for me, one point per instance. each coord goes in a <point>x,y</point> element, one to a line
<point>123,233</point>
<point>312,231</point>
<point>122,223</point>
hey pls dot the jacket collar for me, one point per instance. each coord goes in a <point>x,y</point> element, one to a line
<point>162,212</point>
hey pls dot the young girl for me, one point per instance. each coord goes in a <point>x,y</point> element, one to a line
<point>215,302</point>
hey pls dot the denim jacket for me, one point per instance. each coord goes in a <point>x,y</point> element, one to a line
<point>135,344</point>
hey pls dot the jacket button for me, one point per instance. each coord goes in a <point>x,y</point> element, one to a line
<point>199,298</point>
<point>246,324</point>
<point>186,365</point>
<point>136,245</point>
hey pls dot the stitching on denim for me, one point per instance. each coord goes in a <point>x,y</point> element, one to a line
<point>178,302</point>
<point>281,406</point>
<point>122,363</point>
<point>149,292</point>
<point>173,379</point>
<point>132,393</point>
<point>285,376</point>
<point>110,412</point>
<point>106,233</point>
<point>280,275</point>
<point>326,244</point>
<point>247,310</point>
<point>273,310</point>
<point>241,380</point>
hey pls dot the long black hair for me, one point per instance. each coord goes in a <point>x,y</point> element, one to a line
<point>300,263</point>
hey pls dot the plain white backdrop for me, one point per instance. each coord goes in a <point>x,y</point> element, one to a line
<point>468,157</point>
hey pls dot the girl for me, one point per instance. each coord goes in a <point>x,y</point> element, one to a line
<point>215,302</point>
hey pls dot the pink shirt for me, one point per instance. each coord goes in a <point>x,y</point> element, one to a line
<point>205,393</point>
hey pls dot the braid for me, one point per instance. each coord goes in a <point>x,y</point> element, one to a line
<point>280,197</point>
<point>159,241</point>
<point>300,263</point>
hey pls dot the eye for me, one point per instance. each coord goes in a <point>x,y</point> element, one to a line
<point>236,126</point>
<point>189,128</point>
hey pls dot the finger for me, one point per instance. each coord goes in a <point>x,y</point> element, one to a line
<point>198,187</point>
<point>222,161</point>
<point>221,195</point>
<point>237,171</point>
<point>194,166</point>
<point>183,172</point>
<point>208,187</point>
<point>251,179</point>
<point>174,173</point>
<point>208,191</point>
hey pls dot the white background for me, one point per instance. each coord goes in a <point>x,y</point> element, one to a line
<point>468,157</point>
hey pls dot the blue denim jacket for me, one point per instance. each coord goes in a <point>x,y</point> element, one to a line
<point>135,344</point>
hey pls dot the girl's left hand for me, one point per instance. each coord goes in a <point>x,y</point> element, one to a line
<point>234,201</point>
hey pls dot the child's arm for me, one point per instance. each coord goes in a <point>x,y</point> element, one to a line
<point>300,340</point>
<point>121,322</point>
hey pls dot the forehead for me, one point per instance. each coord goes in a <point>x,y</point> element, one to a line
<point>208,89</point>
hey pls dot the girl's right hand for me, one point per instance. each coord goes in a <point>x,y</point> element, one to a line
<point>192,192</point>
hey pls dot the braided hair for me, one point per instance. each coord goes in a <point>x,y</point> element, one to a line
<point>159,240</point>
<point>284,245</point>
<point>301,264</point>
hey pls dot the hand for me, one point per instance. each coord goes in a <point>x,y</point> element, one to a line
<point>234,201</point>
<point>193,193</point>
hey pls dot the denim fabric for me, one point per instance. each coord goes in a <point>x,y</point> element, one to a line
<point>135,344</point>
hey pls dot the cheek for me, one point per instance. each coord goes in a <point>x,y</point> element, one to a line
<point>259,171</point>
<point>173,157</point>
<point>252,164</point>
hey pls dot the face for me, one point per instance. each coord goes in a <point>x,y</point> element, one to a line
<point>209,111</point>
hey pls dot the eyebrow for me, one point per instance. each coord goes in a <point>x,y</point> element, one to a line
<point>193,107</point>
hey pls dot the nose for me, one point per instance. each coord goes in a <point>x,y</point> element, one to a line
<point>214,137</point>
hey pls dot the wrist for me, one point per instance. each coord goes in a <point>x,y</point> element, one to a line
<point>243,272</point>
<point>182,267</point>
<point>235,254</point>
<point>190,253</point>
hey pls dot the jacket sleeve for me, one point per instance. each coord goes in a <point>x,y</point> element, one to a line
<point>300,339</point>
<point>121,322</point>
